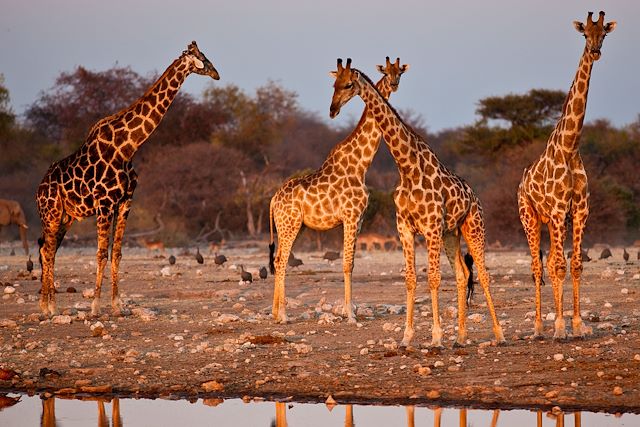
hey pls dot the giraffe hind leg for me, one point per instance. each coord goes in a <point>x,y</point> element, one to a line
<point>452,250</point>
<point>349,239</point>
<point>103,225</point>
<point>121,215</point>
<point>473,233</point>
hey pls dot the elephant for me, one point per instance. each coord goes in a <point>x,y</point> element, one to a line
<point>11,213</point>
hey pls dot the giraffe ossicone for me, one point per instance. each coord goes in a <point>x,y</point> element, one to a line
<point>99,179</point>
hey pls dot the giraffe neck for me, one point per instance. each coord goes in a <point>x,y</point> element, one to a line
<point>566,135</point>
<point>402,141</point>
<point>364,138</point>
<point>132,126</point>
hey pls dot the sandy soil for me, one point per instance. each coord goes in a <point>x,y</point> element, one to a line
<point>193,330</point>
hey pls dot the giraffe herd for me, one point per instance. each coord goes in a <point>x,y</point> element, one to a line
<point>430,199</point>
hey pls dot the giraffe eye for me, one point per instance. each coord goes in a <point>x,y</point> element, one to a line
<point>348,86</point>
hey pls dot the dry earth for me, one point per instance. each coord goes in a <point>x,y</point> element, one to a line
<point>193,331</point>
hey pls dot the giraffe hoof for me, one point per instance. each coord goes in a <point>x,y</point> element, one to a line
<point>458,344</point>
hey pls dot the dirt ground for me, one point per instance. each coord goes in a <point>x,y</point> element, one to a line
<point>194,331</point>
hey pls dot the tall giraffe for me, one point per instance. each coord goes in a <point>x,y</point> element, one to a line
<point>430,200</point>
<point>98,179</point>
<point>554,188</point>
<point>334,194</point>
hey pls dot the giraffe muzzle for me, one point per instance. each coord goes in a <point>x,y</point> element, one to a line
<point>334,111</point>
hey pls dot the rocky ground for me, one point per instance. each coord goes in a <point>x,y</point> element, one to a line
<point>192,330</point>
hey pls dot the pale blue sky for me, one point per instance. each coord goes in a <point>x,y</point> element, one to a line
<point>459,51</point>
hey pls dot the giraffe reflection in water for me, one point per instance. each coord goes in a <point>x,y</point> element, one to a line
<point>48,416</point>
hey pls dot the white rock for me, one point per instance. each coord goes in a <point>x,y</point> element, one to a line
<point>476,317</point>
<point>624,291</point>
<point>62,319</point>
<point>605,326</point>
<point>165,271</point>
<point>558,357</point>
<point>438,363</point>
<point>9,290</point>
<point>88,293</point>
<point>364,351</point>
<point>227,318</point>
<point>145,314</point>
<point>302,348</point>
<point>551,316</point>
<point>8,323</point>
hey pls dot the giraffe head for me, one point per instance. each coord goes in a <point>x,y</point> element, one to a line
<point>393,71</point>
<point>198,63</point>
<point>594,32</point>
<point>347,84</point>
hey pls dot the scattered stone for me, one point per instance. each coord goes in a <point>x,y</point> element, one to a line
<point>227,318</point>
<point>88,293</point>
<point>364,351</point>
<point>8,323</point>
<point>96,389</point>
<point>165,271</point>
<point>476,317</point>
<point>617,391</point>
<point>433,394</point>
<point>9,290</point>
<point>213,385</point>
<point>97,329</point>
<point>62,319</point>
<point>145,314</point>
<point>551,394</point>
<point>558,357</point>
<point>302,348</point>
<point>605,326</point>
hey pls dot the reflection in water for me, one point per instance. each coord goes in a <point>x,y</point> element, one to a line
<point>235,412</point>
<point>48,416</point>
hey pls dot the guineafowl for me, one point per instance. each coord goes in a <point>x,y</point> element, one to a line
<point>172,259</point>
<point>606,253</point>
<point>293,261</point>
<point>199,257</point>
<point>219,259</point>
<point>245,275</point>
<point>331,255</point>
<point>625,255</point>
<point>263,272</point>
<point>29,265</point>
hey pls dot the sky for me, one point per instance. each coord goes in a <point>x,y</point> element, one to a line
<point>459,51</point>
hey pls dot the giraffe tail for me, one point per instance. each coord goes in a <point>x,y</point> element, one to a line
<point>272,245</point>
<point>468,260</point>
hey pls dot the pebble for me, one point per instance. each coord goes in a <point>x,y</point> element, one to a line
<point>364,351</point>
<point>558,357</point>
<point>302,348</point>
<point>145,314</point>
<point>423,370</point>
<point>62,319</point>
<point>476,317</point>
<point>227,318</point>
<point>8,323</point>
<point>551,394</point>
<point>9,290</point>
<point>636,357</point>
<point>617,391</point>
<point>438,363</point>
<point>433,394</point>
<point>212,386</point>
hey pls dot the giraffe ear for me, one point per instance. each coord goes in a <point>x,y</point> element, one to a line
<point>198,63</point>
<point>381,69</point>
<point>333,74</point>
<point>579,26</point>
<point>404,68</point>
<point>610,27</point>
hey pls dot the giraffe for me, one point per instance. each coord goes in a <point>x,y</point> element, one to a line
<point>554,189</point>
<point>430,200</point>
<point>334,194</point>
<point>99,179</point>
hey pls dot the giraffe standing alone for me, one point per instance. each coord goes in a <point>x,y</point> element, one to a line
<point>430,200</point>
<point>336,193</point>
<point>554,188</point>
<point>99,179</point>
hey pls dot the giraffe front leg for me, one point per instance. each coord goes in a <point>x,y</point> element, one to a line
<point>103,225</point>
<point>531,225</point>
<point>349,239</point>
<point>287,233</point>
<point>116,254</point>
<point>557,267</point>
<point>579,221</point>
<point>434,245</point>
<point>47,259</point>
<point>452,250</point>
<point>407,239</point>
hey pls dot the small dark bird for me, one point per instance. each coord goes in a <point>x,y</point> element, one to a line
<point>263,272</point>
<point>29,265</point>
<point>606,253</point>
<point>468,261</point>
<point>199,256</point>
<point>638,256</point>
<point>331,255</point>
<point>293,261</point>
<point>245,275</point>
<point>585,255</point>
<point>219,259</point>
<point>172,260</point>
<point>625,255</point>
<point>13,252</point>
